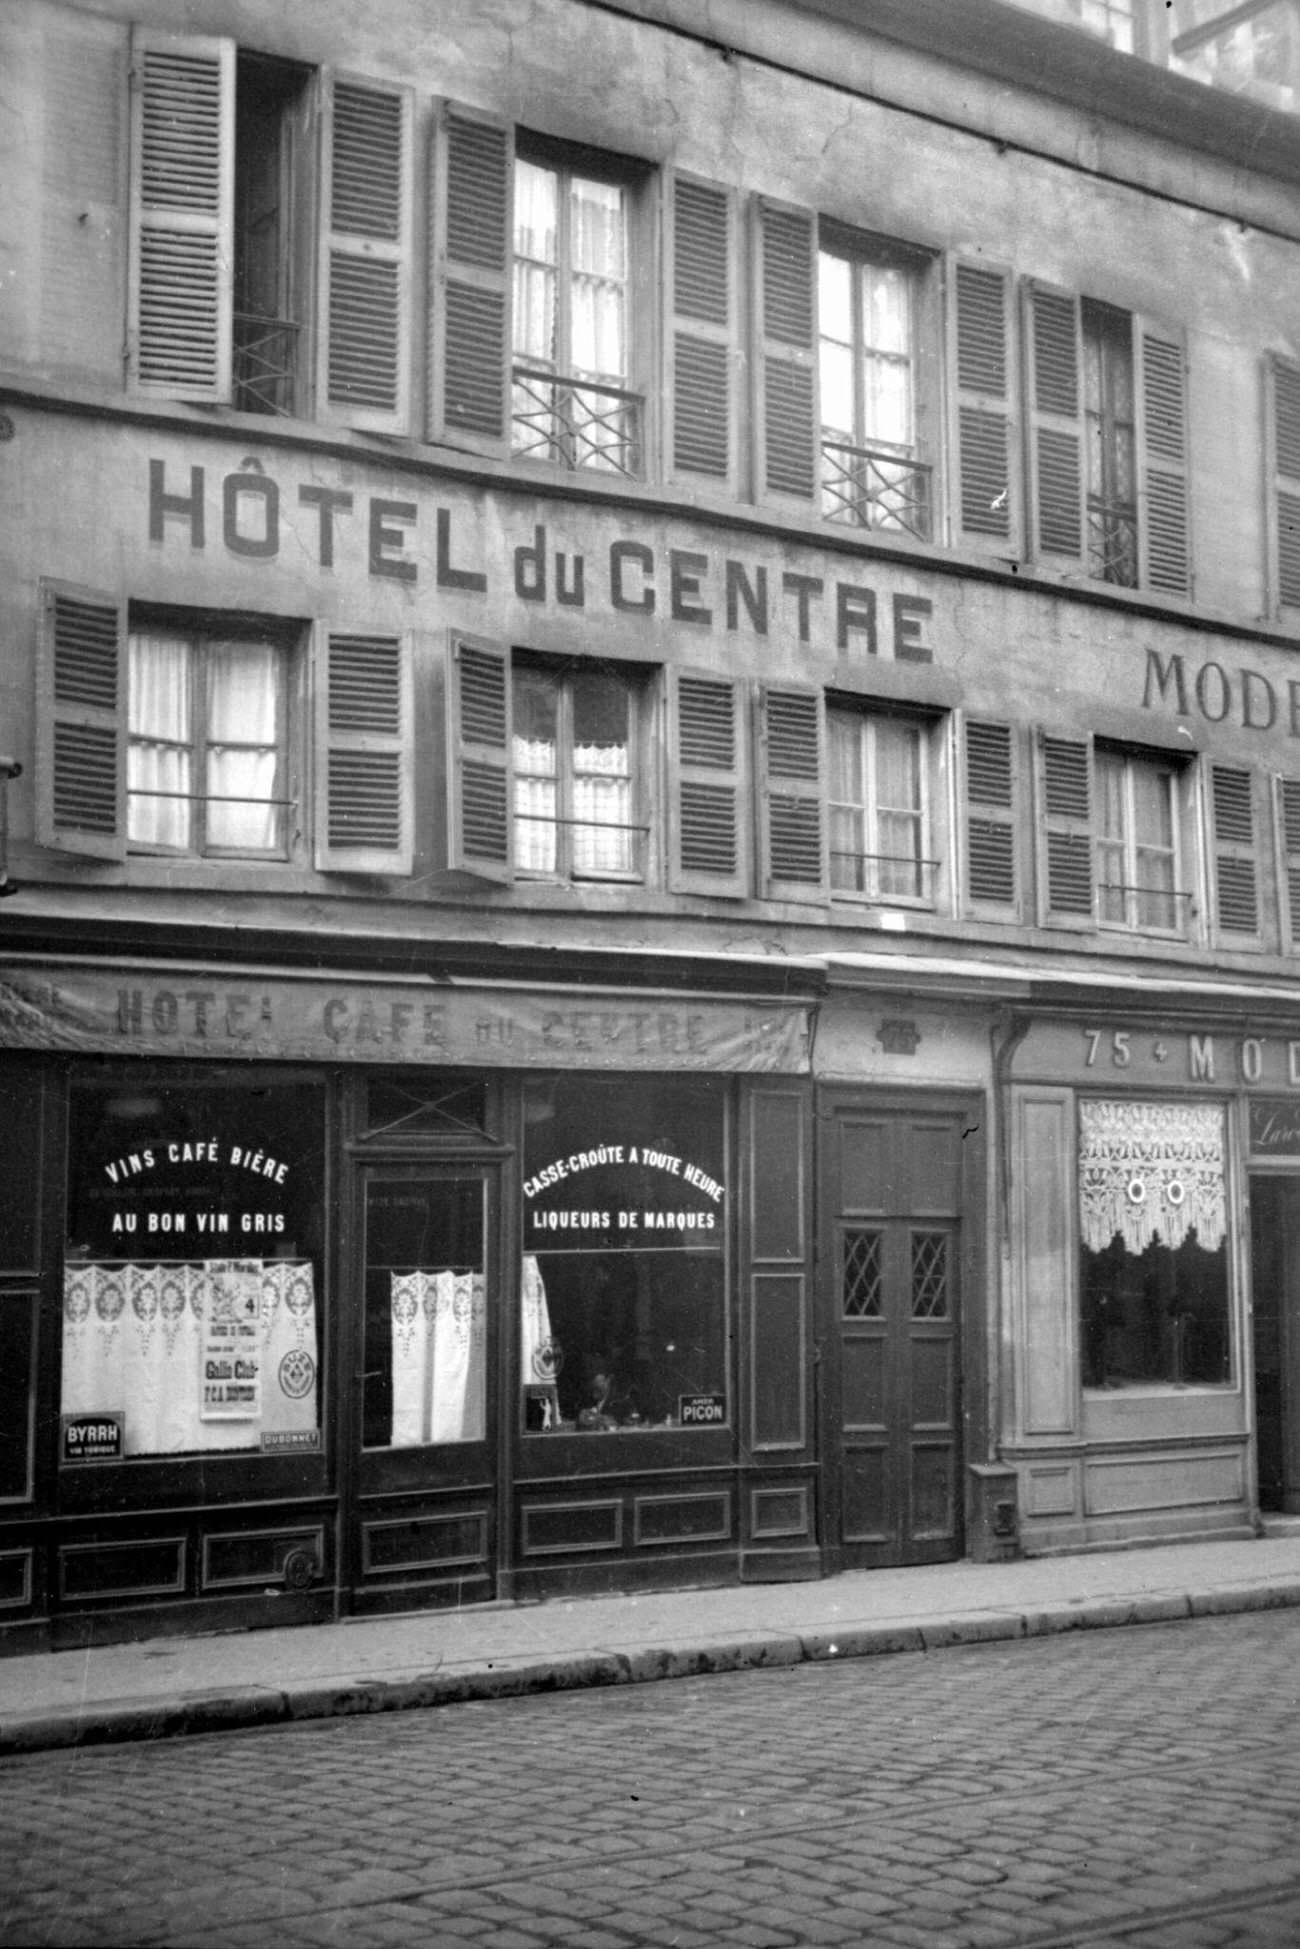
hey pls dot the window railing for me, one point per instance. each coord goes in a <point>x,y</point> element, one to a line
<point>1112,542</point>
<point>265,363</point>
<point>1143,909</point>
<point>876,487</point>
<point>882,876</point>
<point>576,422</point>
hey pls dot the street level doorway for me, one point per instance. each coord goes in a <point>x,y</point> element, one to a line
<point>1275,1279</point>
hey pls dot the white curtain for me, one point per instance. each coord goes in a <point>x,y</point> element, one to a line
<point>134,1343</point>
<point>535,805</point>
<point>538,1356</point>
<point>242,705</point>
<point>602,807</point>
<point>241,691</point>
<point>599,249</point>
<point>1151,1171</point>
<point>159,752</point>
<point>439,1357</point>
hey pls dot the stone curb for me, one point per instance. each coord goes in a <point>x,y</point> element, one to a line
<point>238,1707</point>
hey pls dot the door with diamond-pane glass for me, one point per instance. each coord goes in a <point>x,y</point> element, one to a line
<point>891,1288</point>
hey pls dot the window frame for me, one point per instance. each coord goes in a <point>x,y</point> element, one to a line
<point>564,673</point>
<point>867,714</point>
<point>1180,898</point>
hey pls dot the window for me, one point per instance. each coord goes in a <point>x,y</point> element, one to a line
<point>573,399</point>
<point>574,805</point>
<point>871,473</point>
<point>1110,457</point>
<point>878,814</point>
<point>1137,856</point>
<point>426,1309</point>
<point>1154,1256</point>
<point>1252,49</point>
<point>269,370</point>
<point>206,763</point>
<point>623,1255</point>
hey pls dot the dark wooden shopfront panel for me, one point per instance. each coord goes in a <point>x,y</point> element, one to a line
<point>892,1335</point>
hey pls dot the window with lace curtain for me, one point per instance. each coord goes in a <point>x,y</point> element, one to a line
<point>206,749</point>
<point>575,790</point>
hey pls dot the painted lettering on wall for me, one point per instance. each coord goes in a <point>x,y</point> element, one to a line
<point>1244,698</point>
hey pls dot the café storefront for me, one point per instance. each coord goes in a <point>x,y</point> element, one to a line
<point>328,1294</point>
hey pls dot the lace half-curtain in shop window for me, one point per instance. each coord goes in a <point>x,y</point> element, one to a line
<point>1153,1172</point>
<point>439,1357</point>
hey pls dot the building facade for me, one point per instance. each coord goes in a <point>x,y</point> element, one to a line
<point>652,802</point>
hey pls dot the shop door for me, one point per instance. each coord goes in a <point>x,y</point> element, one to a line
<point>1275,1296</point>
<point>891,1328</point>
<point>425,1269</point>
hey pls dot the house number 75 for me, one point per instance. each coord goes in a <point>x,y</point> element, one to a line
<point>1120,1053</point>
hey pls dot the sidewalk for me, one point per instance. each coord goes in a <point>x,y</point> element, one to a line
<point>189,1685</point>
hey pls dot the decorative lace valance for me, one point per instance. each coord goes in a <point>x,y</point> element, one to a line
<point>1151,1171</point>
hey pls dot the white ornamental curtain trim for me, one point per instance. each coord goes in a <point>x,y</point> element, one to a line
<point>1151,1172</point>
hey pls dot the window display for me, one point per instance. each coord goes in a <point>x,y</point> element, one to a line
<point>625,1217</point>
<point>191,1271</point>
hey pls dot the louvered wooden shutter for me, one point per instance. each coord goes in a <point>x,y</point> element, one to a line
<point>1054,412</point>
<point>1164,511</point>
<point>700,333</point>
<point>365,255</point>
<point>81,723</point>
<point>990,815</point>
<point>1288,819</point>
<point>986,491</point>
<point>785,254</point>
<point>364,816</point>
<point>792,793</point>
<point>1067,827</point>
<point>706,848</point>
<point>1282,381</point>
<point>1236,875</point>
<point>182,215</point>
<point>479,770</point>
<point>471,179</point>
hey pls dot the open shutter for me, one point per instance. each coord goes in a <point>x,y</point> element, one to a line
<point>1288,822</point>
<point>706,851</point>
<point>365,255</point>
<point>986,514</point>
<point>701,333</point>
<point>990,815</point>
<point>1282,387</point>
<point>785,306</point>
<point>480,734</point>
<point>1164,512</point>
<point>364,817</point>
<point>81,720</point>
<point>1054,411</point>
<point>182,215</point>
<point>471,180</point>
<point>1236,873</point>
<point>1067,827</point>
<point>792,793</point>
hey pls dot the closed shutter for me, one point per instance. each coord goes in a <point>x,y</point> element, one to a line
<point>479,771</point>
<point>700,333</point>
<point>182,215</point>
<point>365,255</point>
<point>1236,874</point>
<point>990,815</point>
<point>785,301</point>
<point>364,736</point>
<point>986,512</point>
<point>792,793</point>
<point>706,848</point>
<point>1054,412</point>
<point>81,716</point>
<point>1164,510</point>
<point>1282,383</point>
<point>1067,827</point>
<point>1288,811</point>
<point>471,175</point>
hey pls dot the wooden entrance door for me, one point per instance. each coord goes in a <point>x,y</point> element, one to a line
<point>891,1325</point>
<point>1275,1305</point>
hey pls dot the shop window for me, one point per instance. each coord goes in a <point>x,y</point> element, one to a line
<point>574,398</point>
<point>207,764</point>
<point>1154,1252</point>
<point>1137,853</point>
<point>872,471</point>
<point>192,1269</point>
<point>879,842</point>
<point>575,807</point>
<point>625,1217</point>
<point>426,1310</point>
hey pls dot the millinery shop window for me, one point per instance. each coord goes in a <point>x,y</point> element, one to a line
<point>1154,1248</point>
<point>206,748</point>
<point>625,1217</point>
<point>192,1269</point>
<point>879,825</point>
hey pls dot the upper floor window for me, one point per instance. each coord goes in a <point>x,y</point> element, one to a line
<point>1110,448</point>
<point>575,742</point>
<point>878,810</point>
<point>573,397</point>
<point>206,746</point>
<point>871,473</point>
<point>270,274</point>
<point>1137,854</point>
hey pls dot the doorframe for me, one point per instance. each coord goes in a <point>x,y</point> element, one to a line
<point>976,1365</point>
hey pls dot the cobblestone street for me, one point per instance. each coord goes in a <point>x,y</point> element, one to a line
<point>1136,1787</point>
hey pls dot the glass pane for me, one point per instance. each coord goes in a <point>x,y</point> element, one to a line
<point>835,297</point>
<point>886,308</point>
<point>536,202</point>
<point>158,768</point>
<point>599,272</point>
<point>159,682</point>
<point>192,1267</point>
<point>837,389</point>
<point>602,776</point>
<point>848,835</point>
<point>243,711</point>
<point>426,1311</point>
<point>625,1219</point>
<point>536,699</point>
<point>899,835</point>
